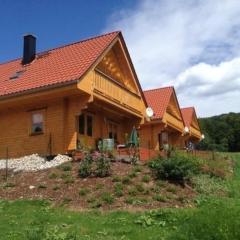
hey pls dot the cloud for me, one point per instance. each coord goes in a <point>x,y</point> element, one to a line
<point>191,44</point>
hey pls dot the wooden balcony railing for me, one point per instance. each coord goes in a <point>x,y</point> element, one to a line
<point>173,122</point>
<point>195,132</point>
<point>116,92</point>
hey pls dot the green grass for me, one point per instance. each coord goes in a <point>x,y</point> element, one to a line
<point>214,218</point>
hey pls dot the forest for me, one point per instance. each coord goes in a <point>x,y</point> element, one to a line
<point>222,133</point>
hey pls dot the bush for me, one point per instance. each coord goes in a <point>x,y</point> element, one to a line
<point>146,179</point>
<point>132,191</point>
<point>41,186</point>
<point>129,200</point>
<point>53,175</point>
<point>118,189</point>
<point>159,198</point>
<point>69,180</point>
<point>107,198</point>
<point>8,185</point>
<point>85,168</point>
<point>66,167</point>
<point>116,179</point>
<point>132,174</point>
<point>83,192</point>
<point>126,180</point>
<point>102,166</point>
<point>175,168</point>
<point>140,188</point>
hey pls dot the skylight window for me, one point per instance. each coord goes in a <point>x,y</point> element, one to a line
<point>17,75</point>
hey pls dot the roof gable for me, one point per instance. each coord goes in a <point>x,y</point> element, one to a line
<point>158,100</point>
<point>53,67</point>
<point>190,117</point>
<point>162,100</point>
<point>116,66</point>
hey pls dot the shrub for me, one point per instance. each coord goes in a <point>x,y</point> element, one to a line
<point>129,200</point>
<point>85,168</point>
<point>126,180</point>
<point>55,188</point>
<point>107,198</point>
<point>53,175</point>
<point>69,180</point>
<point>137,169</point>
<point>146,179</point>
<point>132,191</point>
<point>140,188</point>
<point>134,159</point>
<point>116,179</point>
<point>9,185</point>
<point>66,167</point>
<point>176,168</point>
<point>66,200</point>
<point>102,166</point>
<point>159,198</point>
<point>91,200</point>
<point>118,189</point>
<point>171,189</point>
<point>99,186</point>
<point>41,186</point>
<point>132,174</point>
<point>83,192</point>
<point>96,204</point>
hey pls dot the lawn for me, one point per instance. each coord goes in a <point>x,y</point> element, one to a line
<point>215,217</point>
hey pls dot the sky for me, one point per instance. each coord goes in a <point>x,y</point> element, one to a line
<point>193,45</point>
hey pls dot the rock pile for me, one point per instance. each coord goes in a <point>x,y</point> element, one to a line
<point>33,163</point>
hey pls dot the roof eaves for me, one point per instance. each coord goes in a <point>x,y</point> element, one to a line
<point>38,89</point>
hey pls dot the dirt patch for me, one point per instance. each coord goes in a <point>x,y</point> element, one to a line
<point>128,187</point>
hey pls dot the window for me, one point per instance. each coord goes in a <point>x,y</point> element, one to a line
<point>81,122</point>
<point>37,123</point>
<point>89,125</point>
<point>85,125</point>
<point>163,139</point>
<point>112,130</point>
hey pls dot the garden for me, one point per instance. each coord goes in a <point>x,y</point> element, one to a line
<point>179,197</point>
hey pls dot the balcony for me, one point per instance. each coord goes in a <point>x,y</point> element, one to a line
<point>173,122</point>
<point>114,91</point>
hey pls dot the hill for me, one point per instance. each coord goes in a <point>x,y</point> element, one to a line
<point>222,132</point>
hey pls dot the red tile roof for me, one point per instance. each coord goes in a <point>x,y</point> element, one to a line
<point>187,114</point>
<point>56,66</point>
<point>158,99</point>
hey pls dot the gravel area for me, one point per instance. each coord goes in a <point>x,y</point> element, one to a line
<point>33,163</point>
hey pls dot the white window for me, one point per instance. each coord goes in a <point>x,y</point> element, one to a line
<point>37,122</point>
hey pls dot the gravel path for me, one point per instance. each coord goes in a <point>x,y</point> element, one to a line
<point>33,163</point>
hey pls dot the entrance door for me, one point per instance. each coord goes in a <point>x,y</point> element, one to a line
<point>113,131</point>
<point>162,139</point>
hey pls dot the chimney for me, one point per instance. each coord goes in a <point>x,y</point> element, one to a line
<point>29,49</point>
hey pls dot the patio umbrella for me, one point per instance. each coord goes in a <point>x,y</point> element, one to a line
<point>134,137</point>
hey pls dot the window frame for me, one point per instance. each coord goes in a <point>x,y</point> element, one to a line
<point>32,113</point>
<point>85,133</point>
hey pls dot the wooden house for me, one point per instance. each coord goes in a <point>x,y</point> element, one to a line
<point>192,128</point>
<point>58,100</point>
<point>166,125</point>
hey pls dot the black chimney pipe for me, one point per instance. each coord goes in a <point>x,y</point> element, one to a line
<point>29,49</point>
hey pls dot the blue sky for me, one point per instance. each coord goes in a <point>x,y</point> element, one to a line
<point>190,44</point>
<point>53,22</point>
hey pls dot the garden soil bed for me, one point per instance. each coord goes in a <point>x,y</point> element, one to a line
<point>63,186</point>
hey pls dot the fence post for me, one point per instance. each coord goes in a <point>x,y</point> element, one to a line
<point>6,164</point>
<point>213,155</point>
